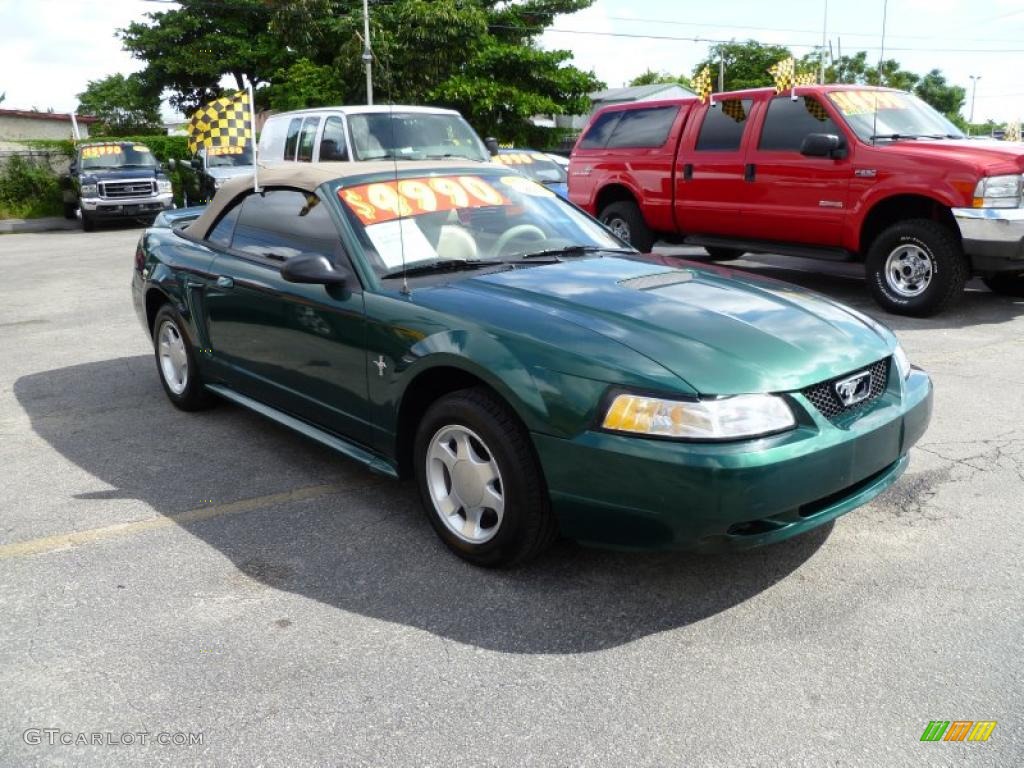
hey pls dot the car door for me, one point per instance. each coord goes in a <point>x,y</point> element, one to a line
<point>792,197</point>
<point>297,347</point>
<point>709,174</point>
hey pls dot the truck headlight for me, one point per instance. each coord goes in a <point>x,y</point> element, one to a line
<point>726,418</point>
<point>899,356</point>
<point>998,192</point>
<point>163,186</point>
<point>90,190</point>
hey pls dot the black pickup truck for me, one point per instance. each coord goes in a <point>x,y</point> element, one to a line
<point>115,180</point>
<point>211,168</point>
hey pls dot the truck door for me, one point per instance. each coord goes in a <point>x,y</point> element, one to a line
<point>709,169</point>
<point>792,197</point>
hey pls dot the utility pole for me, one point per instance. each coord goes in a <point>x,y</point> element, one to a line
<point>367,53</point>
<point>721,75</point>
<point>974,90</point>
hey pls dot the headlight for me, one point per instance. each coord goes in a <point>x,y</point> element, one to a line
<point>998,192</point>
<point>728,418</point>
<point>899,356</point>
<point>90,190</point>
<point>163,185</point>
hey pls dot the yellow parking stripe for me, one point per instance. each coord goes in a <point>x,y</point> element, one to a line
<point>76,538</point>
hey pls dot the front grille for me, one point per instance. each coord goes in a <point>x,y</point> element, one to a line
<point>115,190</point>
<point>824,397</point>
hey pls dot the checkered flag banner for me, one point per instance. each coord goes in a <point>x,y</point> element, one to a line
<point>1013,131</point>
<point>807,78</point>
<point>702,84</point>
<point>734,109</point>
<point>224,122</point>
<point>784,74</point>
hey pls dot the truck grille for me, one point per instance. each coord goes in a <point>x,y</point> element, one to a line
<point>825,399</point>
<point>115,190</point>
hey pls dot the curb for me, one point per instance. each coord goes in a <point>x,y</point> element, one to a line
<point>47,224</point>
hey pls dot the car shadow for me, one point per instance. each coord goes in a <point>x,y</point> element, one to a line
<point>368,548</point>
<point>845,282</point>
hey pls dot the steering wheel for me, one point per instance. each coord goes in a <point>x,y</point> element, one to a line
<point>527,232</point>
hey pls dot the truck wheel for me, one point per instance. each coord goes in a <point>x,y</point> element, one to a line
<point>625,220</point>
<point>916,267</point>
<point>1007,285</point>
<point>88,222</point>
<point>480,482</point>
<point>723,254</point>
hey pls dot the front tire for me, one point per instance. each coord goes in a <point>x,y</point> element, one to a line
<point>627,223</point>
<point>176,362</point>
<point>1007,285</point>
<point>480,482</point>
<point>88,222</point>
<point>917,268</point>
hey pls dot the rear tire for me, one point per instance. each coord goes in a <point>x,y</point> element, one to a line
<point>1007,285</point>
<point>625,220</point>
<point>176,362</point>
<point>723,254</point>
<point>480,482</point>
<point>916,267</point>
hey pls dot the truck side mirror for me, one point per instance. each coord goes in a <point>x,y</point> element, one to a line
<point>492,145</point>
<point>197,163</point>
<point>172,164</point>
<point>821,145</point>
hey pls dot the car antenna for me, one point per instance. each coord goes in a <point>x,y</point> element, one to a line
<point>881,58</point>
<point>398,196</point>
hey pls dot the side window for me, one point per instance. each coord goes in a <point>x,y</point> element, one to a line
<point>332,144</point>
<point>281,223</point>
<point>788,122</point>
<point>292,141</point>
<point>600,131</point>
<point>643,127</point>
<point>307,139</point>
<point>225,228</point>
<point>722,130</point>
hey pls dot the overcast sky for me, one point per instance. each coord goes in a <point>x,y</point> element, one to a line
<point>52,48</point>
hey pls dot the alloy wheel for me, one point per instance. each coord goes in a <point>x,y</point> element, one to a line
<point>464,483</point>
<point>909,270</point>
<point>173,357</point>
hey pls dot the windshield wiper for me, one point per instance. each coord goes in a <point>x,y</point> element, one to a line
<point>895,136</point>
<point>444,265</point>
<point>572,250</point>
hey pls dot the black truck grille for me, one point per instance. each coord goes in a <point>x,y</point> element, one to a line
<point>115,190</point>
<point>823,395</point>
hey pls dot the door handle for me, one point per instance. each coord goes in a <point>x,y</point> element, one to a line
<point>225,282</point>
<point>687,171</point>
<point>748,172</point>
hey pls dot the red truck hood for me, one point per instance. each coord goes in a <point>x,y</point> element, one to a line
<point>988,158</point>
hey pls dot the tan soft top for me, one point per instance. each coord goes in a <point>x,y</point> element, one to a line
<point>309,176</point>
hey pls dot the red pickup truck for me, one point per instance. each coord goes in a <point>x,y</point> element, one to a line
<point>838,172</point>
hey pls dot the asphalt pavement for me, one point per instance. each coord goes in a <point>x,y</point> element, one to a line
<point>211,589</point>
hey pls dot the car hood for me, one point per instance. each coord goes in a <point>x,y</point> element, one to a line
<point>723,332</point>
<point>230,172</point>
<point>984,156</point>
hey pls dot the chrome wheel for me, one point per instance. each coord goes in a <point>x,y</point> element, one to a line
<point>173,357</point>
<point>465,485</point>
<point>619,228</point>
<point>909,270</point>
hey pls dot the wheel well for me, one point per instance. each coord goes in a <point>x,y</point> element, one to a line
<point>613,193</point>
<point>900,208</point>
<point>154,300</point>
<point>422,391</point>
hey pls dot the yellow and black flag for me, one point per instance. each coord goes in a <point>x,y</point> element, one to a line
<point>224,122</point>
<point>805,78</point>
<point>784,74</point>
<point>702,84</point>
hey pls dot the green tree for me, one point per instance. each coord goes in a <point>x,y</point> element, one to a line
<point>746,64</point>
<point>123,105</point>
<point>650,77</point>
<point>946,98</point>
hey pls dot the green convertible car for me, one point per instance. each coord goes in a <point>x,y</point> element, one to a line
<point>465,326</point>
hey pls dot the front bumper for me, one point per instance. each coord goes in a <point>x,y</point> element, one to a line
<point>993,238</point>
<point>638,493</point>
<point>126,208</point>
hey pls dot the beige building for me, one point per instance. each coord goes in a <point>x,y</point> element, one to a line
<point>18,125</point>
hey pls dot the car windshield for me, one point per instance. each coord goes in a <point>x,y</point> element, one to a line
<point>461,220</point>
<point>892,115</point>
<point>535,165</point>
<point>229,157</point>
<point>414,136</point>
<point>100,156</point>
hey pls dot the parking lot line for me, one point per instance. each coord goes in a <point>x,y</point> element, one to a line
<point>75,538</point>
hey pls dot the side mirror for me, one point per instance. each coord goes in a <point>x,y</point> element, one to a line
<point>172,164</point>
<point>197,163</point>
<point>311,268</point>
<point>492,145</point>
<point>821,145</point>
